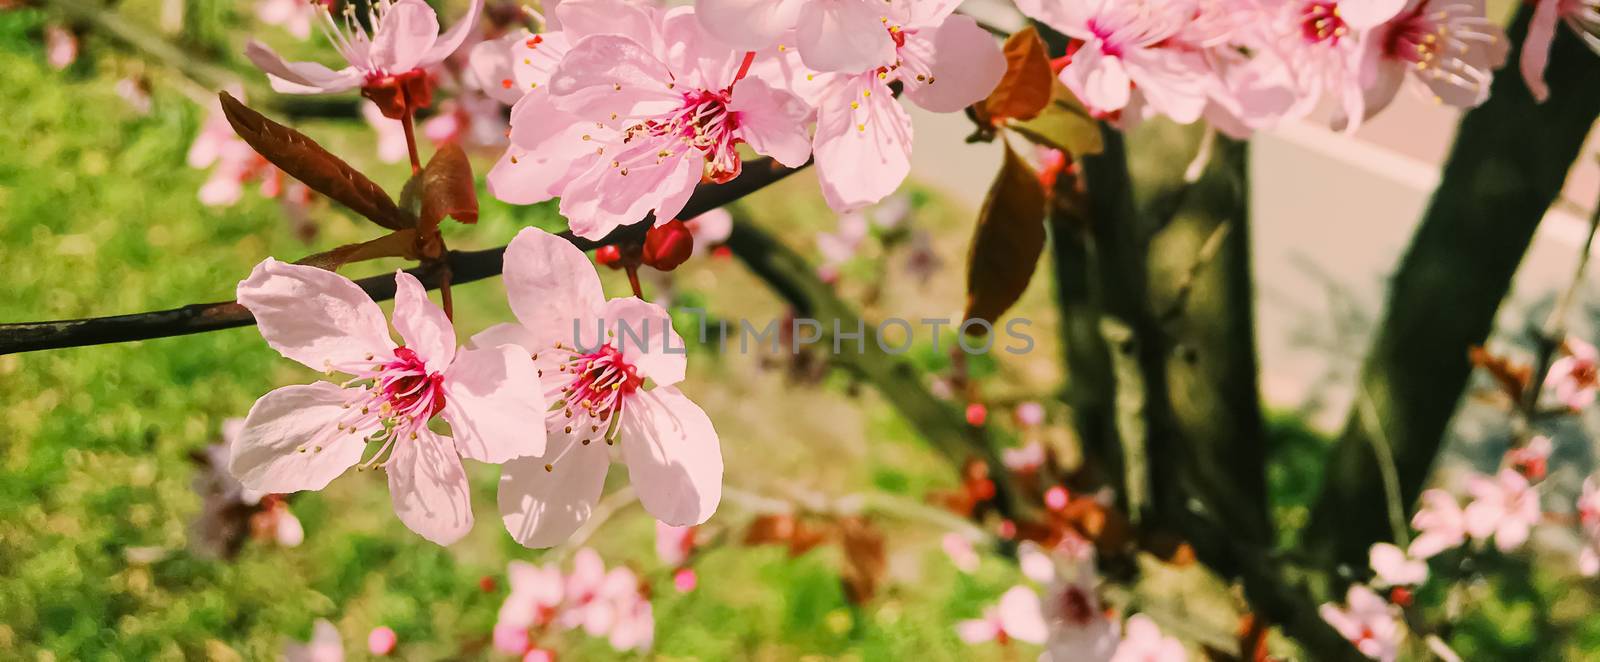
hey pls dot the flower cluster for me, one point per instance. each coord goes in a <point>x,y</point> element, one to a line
<point>1244,65</point>
<point>600,602</point>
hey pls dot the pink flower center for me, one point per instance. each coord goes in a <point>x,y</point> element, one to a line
<point>593,400</point>
<point>1320,22</point>
<point>1076,607</point>
<point>392,401</point>
<point>1416,40</point>
<point>703,123</point>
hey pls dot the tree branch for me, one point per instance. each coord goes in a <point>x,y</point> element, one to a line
<point>1509,162</point>
<point>464,267</point>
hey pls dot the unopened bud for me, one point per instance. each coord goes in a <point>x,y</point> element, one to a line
<point>668,245</point>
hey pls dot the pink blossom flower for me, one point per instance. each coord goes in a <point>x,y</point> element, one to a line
<point>607,603</point>
<point>536,593</point>
<point>1532,459</point>
<point>1321,43</point>
<point>961,552</point>
<point>470,120</point>
<point>405,40</point>
<point>324,646</point>
<point>674,543</point>
<point>1129,48</point>
<point>596,384</point>
<point>1504,507</point>
<point>862,144</point>
<point>1575,377</point>
<point>1441,523</point>
<point>1029,414</point>
<point>295,16</point>
<point>60,47</point>
<point>1056,498</point>
<point>685,579</point>
<point>1589,522</point>
<point>710,229</point>
<point>1143,641</point>
<point>1583,16</point>
<point>1017,616</point>
<point>1367,622</point>
<point>1394,568</point>
<point>1024,459</point>
<point>392,147</point>
<point>302,437</point>
<point>493,68</point>
<point>381,640</point>
<point>641,114</point>
<point>1079,628</point>
<point>1036,564</point>
<point>539,655</point>
<point>135,91</point>
<point>831,35</point>
<point>1449,46</point>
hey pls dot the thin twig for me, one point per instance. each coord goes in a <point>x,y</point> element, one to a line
<point>464,267</point>
<point>1555,326</point>
<point>1386,467</point>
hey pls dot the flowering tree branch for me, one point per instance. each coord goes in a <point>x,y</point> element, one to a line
<point>463,267</point>
<point>1508,164</point>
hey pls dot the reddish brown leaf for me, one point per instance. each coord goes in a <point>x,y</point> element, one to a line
<point>447,189</point>
<point>1512,378</point>
<point>1024,90</point>
<point>305,160</point>
<point>1007,242</point>
<point>865,559</point>
<point>400,243</point>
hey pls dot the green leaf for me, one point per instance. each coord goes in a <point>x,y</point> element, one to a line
<point>1007,242</point>
<point>1064,125</point>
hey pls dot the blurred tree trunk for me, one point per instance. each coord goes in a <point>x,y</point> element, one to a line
<point>1508,164</point>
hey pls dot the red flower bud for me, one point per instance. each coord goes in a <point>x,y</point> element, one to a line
<point>610,256</point>
<point>977,414</point>
<point>668,245</point>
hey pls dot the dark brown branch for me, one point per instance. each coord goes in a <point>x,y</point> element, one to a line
<point>465,267</point>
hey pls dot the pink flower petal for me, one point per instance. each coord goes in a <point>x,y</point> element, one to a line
<point>548,148</point>
<point>429,488</point>
<point>404,36</point>
<point>1363,14</point>
<point>673,456</point>
<point>1021,616</point>
<point>452,39</point>
<point>300,77</point>
<point>863,153</point>
<point>773,122</point>
<point>551,287</point>
<point>422,323</point>
<point>645,336</point>
<point>491,396</point>
<point>966,64</point>
<point>636,182</point>
<point>608,73</point>
<point>843,35</point>
<point>1098,79</point>
<point>749,25</point>
<point>268,455</point>
<point>542,508</point>
<point>315,317</point>
<point>491,66</point>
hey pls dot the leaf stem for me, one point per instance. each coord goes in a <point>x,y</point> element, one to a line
<point>633,281</point>
<point>411,134</point>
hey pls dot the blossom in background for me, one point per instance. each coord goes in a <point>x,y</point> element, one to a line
<point>1143,641</point>
<point>658,106</point>
<point>324,646</point>
<point>302,437</point>
<point>1441,523</point>
<point>404,41</point>
<point>381,640</point>
<point>1393,568</point>
<point>944,63</point>
<point>710,229</point>
<point>596,386</point>
<point>830,35</point>
<point>1024,459</point>
<point>536,595</point>
<point>674,543</point>
<point>607,603</point>
<point>1016,616</point>
<point>1532,459</point>
<point>1449,46</point>
<point>136,91</point>
<point>961,552</point>
<point>391,136</point>
<point>1575,377</point>
<point>1582,16</point>
<point>1129,47</point>
<point>1367,622</point>
<point>295,16</point>
<point>60,47</point>
<point>229,511</point>
<point>470,120</point>
<point>839,246</point>
<point>1029,414</point>
<point>1079,628</point>
<point>1503,506</point>
<point>1589,522</point>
